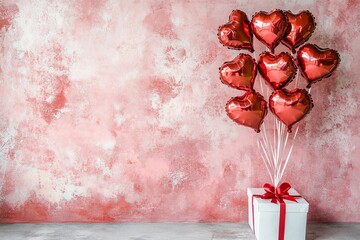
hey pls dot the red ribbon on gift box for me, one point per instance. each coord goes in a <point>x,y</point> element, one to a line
<point>279,194</point>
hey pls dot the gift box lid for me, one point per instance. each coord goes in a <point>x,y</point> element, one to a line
<point>265,205</point>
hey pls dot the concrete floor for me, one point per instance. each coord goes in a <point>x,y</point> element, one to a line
<point>162,231</point>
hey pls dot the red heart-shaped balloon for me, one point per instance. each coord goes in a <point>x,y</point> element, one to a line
<point>290,106</point>
<point>302,25</point>
<point>277,70</point>
<point>316,63</point>
<point>236,34</point>
<point>269,28</point>
<point>249,110</point>
<point>239,73</point>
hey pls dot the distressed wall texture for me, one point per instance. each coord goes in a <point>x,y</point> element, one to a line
<point>113,111</point>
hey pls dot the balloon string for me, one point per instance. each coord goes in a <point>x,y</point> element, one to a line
<point>275,150</point>
<point>290,151</point>
<point>263,143</point>
<point>267,145</point>
<point>286,136</point>
<point>264,132</point>
<point>280,145</point>
<point>280,138</point>
<point>275,153</point>
<point>266,155</point>
<point>265,159</point>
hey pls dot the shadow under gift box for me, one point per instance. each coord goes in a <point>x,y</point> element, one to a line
<point>267,215</point>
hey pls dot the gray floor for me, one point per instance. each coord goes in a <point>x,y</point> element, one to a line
<point>163,231</point>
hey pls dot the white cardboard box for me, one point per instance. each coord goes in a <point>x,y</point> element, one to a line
<point>267,216</point>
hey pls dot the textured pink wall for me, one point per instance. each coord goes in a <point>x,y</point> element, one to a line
<point>113,111</point>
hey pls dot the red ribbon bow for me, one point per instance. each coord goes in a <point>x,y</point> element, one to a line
<point>279,194</point>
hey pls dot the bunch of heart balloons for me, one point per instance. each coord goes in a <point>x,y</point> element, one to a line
<point>277,70</point>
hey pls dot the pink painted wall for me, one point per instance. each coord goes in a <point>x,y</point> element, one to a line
<point>113,111</point>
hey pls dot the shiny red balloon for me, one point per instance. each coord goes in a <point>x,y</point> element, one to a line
<point>236,34</point>
<point>269,28</point>
<point>290,106</point>
<point>316,63</point>
<point>277,70</point>
<point>249,110</point>
<point>239,73</point>
<point>301,26</point>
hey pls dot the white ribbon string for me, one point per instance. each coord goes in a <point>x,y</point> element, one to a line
<point>275,153</point>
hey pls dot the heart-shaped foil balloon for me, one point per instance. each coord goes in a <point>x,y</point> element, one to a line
<point>236,34</point>
<point>290,106</point>
<point>301,26</point>
<point>277,70</point>
<point>239,73</point>
<point>316,63</point>
<point>269,28</point>
<point>249,110</point>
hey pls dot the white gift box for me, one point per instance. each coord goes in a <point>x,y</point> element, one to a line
<point>266,216</point>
